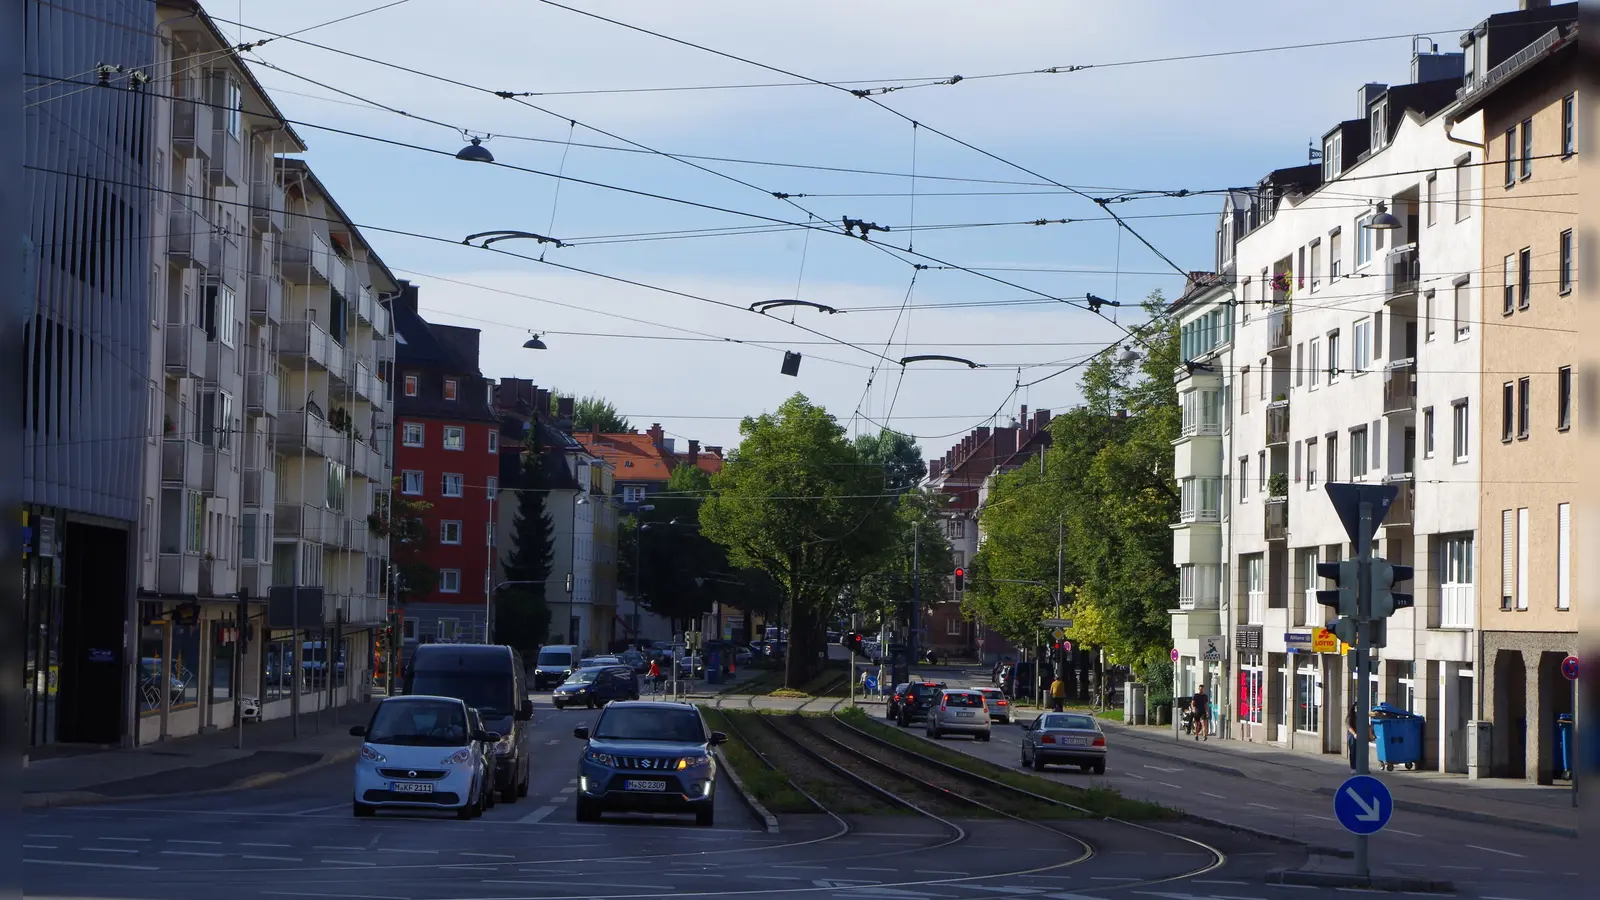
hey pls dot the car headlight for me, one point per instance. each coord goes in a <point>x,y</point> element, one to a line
<point>371,755</point>
<point>457,758</point>
<point>504,746</point>
<point>596,756</point>
<point>694,762</point>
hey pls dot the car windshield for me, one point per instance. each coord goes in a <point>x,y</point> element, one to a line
<point>486,691</point>
<point>1068,721</point>
<point>644,723</point>
<point>554,658</point>
<point>963,699</point>
<point>582,676</point>
<point>419,723</point>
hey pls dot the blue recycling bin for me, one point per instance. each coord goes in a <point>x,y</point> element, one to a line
<point>713,667</point>
<point>1398,735</point>
<point>1564,744</point>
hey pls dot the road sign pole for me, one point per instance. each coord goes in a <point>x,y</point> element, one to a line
<point>1363,663</point>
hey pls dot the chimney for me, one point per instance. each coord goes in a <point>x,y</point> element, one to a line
<point>594,432</point>
<point>565,407</point>
<point>658,437</point>
<point>1534,4</point>
<point>541,403</point>
<point>407,298</point>
<point>1041,419</point>
<point>694,453</point>
<point>1023,418</point>
<point>715,451</point>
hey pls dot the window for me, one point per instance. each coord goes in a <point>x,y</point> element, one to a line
<point>1316,363</point>
<point>1316,263</point>
<point>411,482</point>
<point>1244,479</point>
<point>1522,558</point>
<point>1463,313</point>
<point>1569,125</point>
<point>1332,155</point>
<point>1364,240</point>
<point>1524,402</point>
<point>449,583</point>
<point>1261,471</point>
<point>450,388</point>
<point>219,300</point>
<point>1564,398</point>
<point>958,528</point>
<point>1427,433</point>
<point>1508,303</point>
<point>492,486</point>
<point>1264,375</point>
<point>633,494</point>
<point>450,532</point>
<point>1432,201</point>
<point>233,107</point>
<point>1563,556</point>
<point>1361,350</point>
<point>1463,200</point>
<point>1511,156</point>
<point>1244,306</point>
<point>1300,365</point>
<point>1379,118</point>
<point>1456,601</point>
<point>1459,431</point>
<point>411,385</point>
<point>1308,700</point>
<point>451,484</point>
<point>1508,558</point>
<point>1311,463</point>
<point>1333,458</point>
<point>952,627</point>
<point>1244,390</point>
<point>1335,254</point>
<point>1427,316</point>
<point>1508,405</point>
<point>1297,461</point>
<point>411,434</point>
<point>494,440</point>
<point>455,437</point>
<point>1251,707</point>
<point>1564,276</point>
<point>1333,357</point>
<point>1527,148</point>
<point>408,629</point>
<point>1358,453</point>
<point>1524,277</point>
<point>338,485</point>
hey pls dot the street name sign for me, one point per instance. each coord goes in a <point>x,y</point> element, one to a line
<point>1363,805</point>
<point>1057,623</point>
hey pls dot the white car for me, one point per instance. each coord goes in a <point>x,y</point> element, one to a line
<point>959,711</point>
<point>420,752</point>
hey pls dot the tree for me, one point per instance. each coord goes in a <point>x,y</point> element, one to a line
<point>794,501</point>
<point>916,544</point>
<point>899,456</point>
<point>402,523</point>
<point>678,565</point>
<point>522,615</point>
<point>591,412</point>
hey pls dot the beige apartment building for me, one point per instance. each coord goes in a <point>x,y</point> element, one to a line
<point>1522,74</point>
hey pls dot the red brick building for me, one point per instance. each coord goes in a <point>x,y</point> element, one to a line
<point>447,453</point>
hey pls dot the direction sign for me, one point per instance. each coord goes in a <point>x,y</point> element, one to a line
<point>1347,500</point>
<point>1213,648</point>
<point>1056,623</point>
<point>1363,805</point>
<point>1569,668</point>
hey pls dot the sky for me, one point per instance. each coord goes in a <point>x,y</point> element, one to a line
<point>1006,295</point>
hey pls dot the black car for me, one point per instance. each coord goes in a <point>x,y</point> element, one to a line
<point>489,678</point>
<point>596,686</point>
<point>916,699</point>
<point>648,757</point>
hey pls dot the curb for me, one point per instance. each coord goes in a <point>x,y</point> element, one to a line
<point>1466,815</point>
<point>1350,880</point>
<point>768,820</point>
<point>1313,849</point>
<point>59,799</point>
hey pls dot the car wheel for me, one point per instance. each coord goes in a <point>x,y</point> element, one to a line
<point>491,796</point>
<point>558,705</point>
<point>705,818</point>
<point>362,810</point>
<point>984,737</point>
<point>1099,768</point>
<point>591,703</point>
<point>586,812</point>
<point>467,810</point>
<point>1024,764</point>
<point>1038,763</point>
<point>935,733</point>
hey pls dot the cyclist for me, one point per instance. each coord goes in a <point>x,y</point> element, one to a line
<point>655,677</point>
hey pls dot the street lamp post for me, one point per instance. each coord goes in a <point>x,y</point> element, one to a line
<point>639,528</point>
<point>578,500</point>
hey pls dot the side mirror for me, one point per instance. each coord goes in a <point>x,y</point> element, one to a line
<point>490,737</point>
<point>581,732</point>
<point>526,712</point>
<point>485,736</point>
<point>718,737</point>
<point>358,731</point>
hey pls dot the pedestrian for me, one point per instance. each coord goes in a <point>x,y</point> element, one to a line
<point>1058,694</point>
<point>1201,706</point>
<point>1351,735</point>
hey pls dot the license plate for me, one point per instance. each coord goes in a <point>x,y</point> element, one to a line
<point>1078,742</point>
<point>412,787</point>
<point>635,784</point>
<point>965,714</point>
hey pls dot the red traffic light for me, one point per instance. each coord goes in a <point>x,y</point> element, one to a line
<point>960,571</point>
<point>961,579</point>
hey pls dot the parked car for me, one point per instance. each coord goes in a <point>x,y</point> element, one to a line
<point>644,756</point>
<point>596,686</point>
<point>1070,738</point>
<point>491,679</point>
<point>418,752</point>
<point>486,752</point>
<point>999,705</point>
<point>958,711</point>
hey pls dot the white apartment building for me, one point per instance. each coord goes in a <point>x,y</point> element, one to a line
<point>245,475</point>
<point>1355,356</point>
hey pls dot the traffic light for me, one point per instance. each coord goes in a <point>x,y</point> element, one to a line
<point>1386,575</point>
<point>1343,598</point>
<point>961,579</point>
<point>857,643</point>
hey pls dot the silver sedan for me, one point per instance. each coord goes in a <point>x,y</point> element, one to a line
<point>1068,738</point>
<point>958,711</point>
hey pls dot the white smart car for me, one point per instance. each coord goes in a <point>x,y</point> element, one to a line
<point>421,752</point>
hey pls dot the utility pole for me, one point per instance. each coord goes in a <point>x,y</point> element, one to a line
<point>916,597</point>
<point>1363,661</point>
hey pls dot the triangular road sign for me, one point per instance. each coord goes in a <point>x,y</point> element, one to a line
<point>1347,500</point>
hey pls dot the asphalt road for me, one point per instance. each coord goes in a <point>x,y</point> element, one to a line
<point>298,839</point>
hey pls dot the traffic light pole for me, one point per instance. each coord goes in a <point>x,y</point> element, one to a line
<point>1363,652</point>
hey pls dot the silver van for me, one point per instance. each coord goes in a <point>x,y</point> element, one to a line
<point>554,664</point>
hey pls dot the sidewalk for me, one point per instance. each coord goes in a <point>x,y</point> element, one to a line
<point>203,763</point>
<point>1517,804</point>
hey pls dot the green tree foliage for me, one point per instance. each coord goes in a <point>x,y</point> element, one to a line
<point>522,615</point>
<point>1107,486</point>
<point>886,595</point>
<point>679,566</point>
<point>899,455</point>
<point>795,502</point>
<point>593,411</point>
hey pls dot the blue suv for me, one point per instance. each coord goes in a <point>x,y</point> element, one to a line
<point>648,757</point>
<point>596,686</point>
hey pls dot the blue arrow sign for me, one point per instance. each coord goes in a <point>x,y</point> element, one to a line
<point>1347,499</point>
<point>1363,804</point>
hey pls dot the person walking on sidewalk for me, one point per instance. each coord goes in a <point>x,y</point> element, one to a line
<point>1058,694</point>
<point>1352,735</point>
<point>1200,705</point>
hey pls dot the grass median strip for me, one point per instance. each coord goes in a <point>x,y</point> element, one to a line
<point>1098,800</point>
<point>771,788</point>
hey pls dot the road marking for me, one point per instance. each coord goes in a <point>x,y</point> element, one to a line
<point>559,798</point>
<point>127,840</point>
<point>106,850</point>
<point>207,843</point>
<point>1214,796</point>
<point>1493,850</point>
<point>403,850</point>
<point>346,849</point>
<point>1264,806</point>
<point>39,846</point>
<point>775,877</point>
<point>1320,818</point>
<point>1215,881</point>
<point>50,836</point>
<point>536,816</point>
<point>1406,833</point>
<point>1163,768</point>
<point>259,844</point>
<point>1138,776</point>
<point>552,743</point>
<point>1523,871</point>
<point>345,862</point>
<point>90,865</point>
<point>1170,785</point>
<point>1112,878</point>
<point>568,790</point>
<point>871,869</point>
<point>488,855</point>
<point>271,858</point>
<point>192,853</point>
<point>938,872</point>
<point>307,812</point>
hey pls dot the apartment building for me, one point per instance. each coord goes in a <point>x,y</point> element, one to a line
<point>1355,355</point>
<point>1522,79</point>
<point>448,457</point>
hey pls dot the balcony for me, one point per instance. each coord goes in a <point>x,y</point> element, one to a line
<point>188,237</point>
<point>226,167</point>
<point>180,461</point>
<point>1278,322</point>
<point>1402,509</point>
<point>365,304</point>
<point>1402,272</point>
<point>216,473</point>
<point>219,360</point>
<point>380,323</point>
<point>340,363</point>
<point>227,261</point>
<point>191,129</point>
<point>362,380</point>
<point>178,573</point>
<point>296,431</point>
<point>265,298</point>
<point>377,392</point>
<point>309,523</point>
<point>339,274</point>
<point>258,488</point>
<point>351,286</point>
<point>1275,519</point>
<point>261,393</point>
<point>266,206</point>
<point>185,351</point>
<point>1400,386</point>
<point>304,253</point>
<point>303,340</point>
<point>1277,423</point>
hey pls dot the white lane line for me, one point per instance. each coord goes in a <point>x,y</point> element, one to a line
<point>307,812</point>
<point>1215,881</point>
<point>50,836</point>
<point>870,869</point>
<point>271,858</point>
<point>559,798</point>
<point>1320,818</point>
<point>1494,850</point>
<point>346,849</point>
<point>403,850</point>
<point>552,743</point>
<point>346,862</point>
<point>184,841</point>
<point>1112,878</point>
<point>488,855</point>
<point>191,853</point>
<point>1137,775</point>
<point>536,816</point>
<point>107,850</point>
<point>1170,785</point>
<point>90,865</point>
<point>775,877</point>
<point>938,872</point>
<point>1264,806</point>
<point>127,840</point>
<point>1523,871</point>
<point>1213,796</point>
<point>39,846</point>
<point>259,844</point>
<point>1406,833</point>
<point>1163,768</point>
<point>568,790</point>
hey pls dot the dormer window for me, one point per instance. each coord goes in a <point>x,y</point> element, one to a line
<point>1380,121</point>
<point>1332,156</point>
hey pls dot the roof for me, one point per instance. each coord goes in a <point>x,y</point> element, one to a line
<point>194,9</point>
<point>635,456</point>
<point>373,260</point>
<point>1198,284</point>
<point>1552,43</point>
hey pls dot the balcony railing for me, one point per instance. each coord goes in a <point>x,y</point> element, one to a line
<point>1457,606</point>
<point>191,128</point>
<point>1275,519</point>
<point>1278,321</point>
<point>1400,386</point>
<point>1403,271</point>
<point>266,205</point>
<point>258,488</point>
<point>265,298</point>
<point>1402,509</point>
<point>180,460</point>
<point>1278,423</point>
<point>365,304</point>
<point>304,253</point>
<point>226,166</point>
<point>178,573</point>
<point>188,237</point>
<point>380,322</point>
<point>304,340</point>
<point>296,430</point>
<point>185,350</point>
<point>340,361</point>
<point>261,393</point>
<point>338,273</point>
<point>351,286</point>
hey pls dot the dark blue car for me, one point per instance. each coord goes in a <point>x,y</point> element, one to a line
<point>596,686</point>
<point>648,757</point>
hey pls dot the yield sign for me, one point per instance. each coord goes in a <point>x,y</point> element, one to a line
<point>1347,500</point>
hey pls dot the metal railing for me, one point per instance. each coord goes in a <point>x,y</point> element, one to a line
<point>1402,271</point>
<point>1400,386</point>
<point>1278,319</point>
<point>1275,519</point>
<point>1402,509</point>
<point>1277,423</point>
